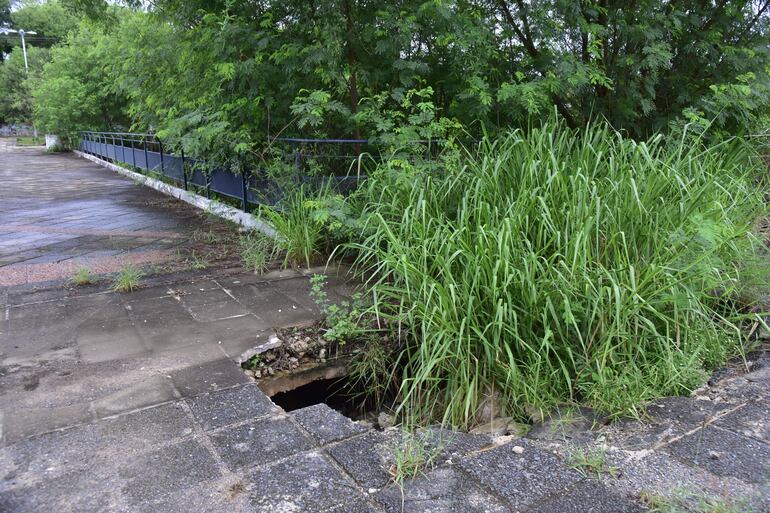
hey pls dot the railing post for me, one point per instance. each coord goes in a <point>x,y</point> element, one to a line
<point>133,154</point>
<point>162,166</point>
<point>146,158</point>
<point>244,190</point>
<point>123,150</point>
<point>114,151</point>
<point>184,173</point>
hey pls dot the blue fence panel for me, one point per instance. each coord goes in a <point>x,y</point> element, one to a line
<point>173,167</point>
<point>227,183</point>
<point>138,158</point>
<point>153,161</point>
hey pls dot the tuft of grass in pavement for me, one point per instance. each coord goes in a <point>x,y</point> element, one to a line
<point>412,455</point>
<point>127,279</point>
<point>684,501</point>
<point>257,251</point>
<point>591,463</point>
<point>82,277</point>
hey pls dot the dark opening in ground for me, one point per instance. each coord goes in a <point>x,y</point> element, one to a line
<point>333,392</point>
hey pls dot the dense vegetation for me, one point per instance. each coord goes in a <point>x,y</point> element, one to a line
<point>560,201</point>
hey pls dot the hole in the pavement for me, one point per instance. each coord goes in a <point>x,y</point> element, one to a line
<point>332,392</point>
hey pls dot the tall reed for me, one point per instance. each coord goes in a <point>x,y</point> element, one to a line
<point>551,266</point>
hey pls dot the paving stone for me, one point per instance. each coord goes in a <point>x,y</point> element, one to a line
<point>70,493</point>
<point>686,411</point>
<point>366,458</point>
<point>228,406</point>
<point>325,424</point>
<point>147,392</point>
<point>271,306</point>
<point>587,497</point>
<point>217,311</point>
<point>751,420</point>
<point>168,469</point>
<point>305,482</point>
<point>725,454</point>
<point>208,377</point>
<point>453,444</point>
<point>22,423</point>
<point>522,479</point>
<point>440,490</point>
<point>259,442</point>
<point>106,343</point>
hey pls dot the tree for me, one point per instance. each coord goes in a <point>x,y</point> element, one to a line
<point>16,102</point>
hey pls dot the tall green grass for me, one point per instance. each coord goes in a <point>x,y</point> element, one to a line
<point>551,266</point>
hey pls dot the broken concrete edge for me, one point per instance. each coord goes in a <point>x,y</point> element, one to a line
<point>215,207</point>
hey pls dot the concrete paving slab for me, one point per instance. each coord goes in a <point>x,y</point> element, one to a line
<point>168,469</point>
<point>306,482</point>
<point>522,479</point>
<point>588,497</point>
<point>326,425</point>
<point>208,377</point>
<point>259,442</point>
<point>150,391</point>
<point>217,409</point>
<point>442,490</point>
<point>752,420</point>
<point>366,458</point>
<point>725,453</point>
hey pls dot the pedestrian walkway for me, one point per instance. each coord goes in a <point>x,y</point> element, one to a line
<point>134,402</point>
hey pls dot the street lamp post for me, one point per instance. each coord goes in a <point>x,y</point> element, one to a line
<point>22,33</point>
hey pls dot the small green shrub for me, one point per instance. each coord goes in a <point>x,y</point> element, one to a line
<point>343,319</point>
<point>82,277</point>
<point>127,279</point>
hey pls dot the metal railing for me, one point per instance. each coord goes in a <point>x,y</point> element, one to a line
<point>250,188</point>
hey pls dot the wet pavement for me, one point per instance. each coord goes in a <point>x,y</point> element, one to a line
<point>59,213</point>
<point>134,402</point>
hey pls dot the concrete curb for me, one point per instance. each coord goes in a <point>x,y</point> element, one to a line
<point>226,212</point>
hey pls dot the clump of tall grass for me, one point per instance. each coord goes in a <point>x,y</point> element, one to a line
<point>299,234</point>
<point>551,266</point>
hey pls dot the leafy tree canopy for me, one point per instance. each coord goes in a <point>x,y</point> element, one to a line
<point>218,77</point>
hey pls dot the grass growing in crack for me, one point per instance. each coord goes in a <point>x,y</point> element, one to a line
<point>684,501</point>
<point>127,279</point>
<point>257,252</point>
<point>82,277</point>
<point>559,266</point>
<point>197,262</point>
<point>591,463</point>
<point>412,455</point>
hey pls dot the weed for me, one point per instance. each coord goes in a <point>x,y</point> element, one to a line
<point>206,236</point>
<point>197,262</point>
<point>300,234</point>
<point>412,455</point>
<point>257,252</point>
<point>343,319</point>
<point>559,266</point>
<point>127,279</point>
<point>82,277</point>
<point>684,501</point>
<point>591,463</point>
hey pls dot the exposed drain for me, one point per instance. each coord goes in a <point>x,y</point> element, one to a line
<point>331,392</point>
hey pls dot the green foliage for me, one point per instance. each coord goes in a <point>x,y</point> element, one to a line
<point>257,252</point>
<point>303,223</point>
<point>342,318</point>
<point>685,501</point>
<point>16,84</point>
<point>591,463</point>
<point>75,92</point>
<point>127,279</point>
<point>50,20</point>
<point>82,277</point>
<point>412,455</point>
<point>559,266</point>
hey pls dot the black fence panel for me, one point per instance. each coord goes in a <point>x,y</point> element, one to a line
<point>145,151</point>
